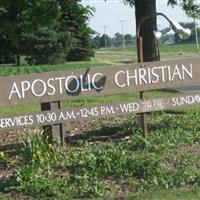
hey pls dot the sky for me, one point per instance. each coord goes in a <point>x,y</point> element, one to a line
<point>109,14</point>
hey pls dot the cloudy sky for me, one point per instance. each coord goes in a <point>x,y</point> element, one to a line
<point>108,14</point>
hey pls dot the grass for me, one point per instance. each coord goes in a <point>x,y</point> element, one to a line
<point>8,70</point>
<point>173,48</point>
<point>180,49</point>
<point>190,194</point>
<point>166,51</point>
<point>167,161</point>
<point>23,109</point>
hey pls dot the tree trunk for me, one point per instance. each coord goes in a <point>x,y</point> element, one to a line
<point>18,59</point>
<point>144,8</point>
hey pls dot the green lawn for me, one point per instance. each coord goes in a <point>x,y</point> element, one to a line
<point>190,194</point>
<point>7,70</point>
<point>173,48</point>
<point>26,108</point>
<point>166,51</point>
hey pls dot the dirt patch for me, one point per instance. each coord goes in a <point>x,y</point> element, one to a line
<point>194,150</point>
<point>100,127</point>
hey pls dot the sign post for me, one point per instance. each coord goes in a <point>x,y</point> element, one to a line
<point>140,60</point>
<point>55,131</point>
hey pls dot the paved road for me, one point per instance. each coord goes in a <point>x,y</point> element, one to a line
<point>181,57</point>
<point>189,88</point>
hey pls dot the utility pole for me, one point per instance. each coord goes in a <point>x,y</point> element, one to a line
<point>196,34</point>
<point>104,28</point>
<point>123,42</point>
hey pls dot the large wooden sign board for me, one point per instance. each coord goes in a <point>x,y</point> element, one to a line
<point>73,84</point>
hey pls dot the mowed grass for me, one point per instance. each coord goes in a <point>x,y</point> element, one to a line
<point>8,70</point>
<point>191,194</point>
<point>35,107</point>
<point>166,51</point>
<point>172,48</point>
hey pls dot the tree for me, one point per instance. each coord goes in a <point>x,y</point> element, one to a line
<point>129,40</point>
<point>118,40</point>
<point>74,19</point>
<point>45,30</point>
<point>167,39</point>
<point>105,41</point>
<point>10,31</point>
<point>144,8</point>
<point>47,46</point>
<point>21,18</point>
<point>96,42</point>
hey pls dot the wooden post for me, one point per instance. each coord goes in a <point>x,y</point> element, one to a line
<point>141,59</point>
<point>55,131</point>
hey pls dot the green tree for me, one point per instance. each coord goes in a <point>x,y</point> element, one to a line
<point>167,39</point>
<point>118,39</point>
<point>96,42</point>
<point>21,18</point>
<point>47,46</point>
<point>105,41</point>
<point>45,31</point>
<point>129,40</point>
<point>74,19</point>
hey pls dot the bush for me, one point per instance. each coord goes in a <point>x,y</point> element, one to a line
<point>48,47</point>
<point>80,53</point>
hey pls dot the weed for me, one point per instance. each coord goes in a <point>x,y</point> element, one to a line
<point>82,171</point>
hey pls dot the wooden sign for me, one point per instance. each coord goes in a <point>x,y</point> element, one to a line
<point>98,111</point>
<point>72,84</point>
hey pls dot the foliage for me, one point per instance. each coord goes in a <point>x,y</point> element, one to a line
<point>21,18</point>
<point>129,40</point>
<point>189,6</point>
<point>116,41</point>
<point>96,42</point>
<point>167,39</point>
<point>74,19</point>
<point>48,47</point>
<point>105,41</point>
<point>167,159</point>
<point>55,28</point>
<point>36,149</point>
